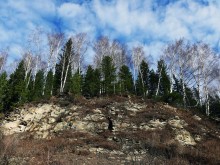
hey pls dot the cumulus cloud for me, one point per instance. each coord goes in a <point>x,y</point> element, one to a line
<point>152,23</point>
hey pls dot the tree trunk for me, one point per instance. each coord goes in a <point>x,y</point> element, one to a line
<point>158,85</point>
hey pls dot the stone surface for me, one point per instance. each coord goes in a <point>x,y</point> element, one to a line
<point>177,123</point>
<point>185,138</point>
<point>197,117</point>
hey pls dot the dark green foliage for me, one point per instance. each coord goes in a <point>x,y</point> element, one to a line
<point>153,80</point>
<point>76,84</point>
<point>215,105</point>
<point>49,85</point>
<point>17,93</point>
<point>142,82</point>
<point>91,86</point>
<point>3,90</point>
<point>174,98</point>
<point>63,69</point>
<point>164,86</point>
<point>125,80</point>
<point>38,88</point>
<point>177,86</point>
<point>97,82</point>
<point>190,99</point>
<point>30,89</point>
<point>56,81</point>
<point>109,75</point>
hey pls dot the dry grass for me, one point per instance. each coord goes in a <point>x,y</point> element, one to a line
<point>157,146</point>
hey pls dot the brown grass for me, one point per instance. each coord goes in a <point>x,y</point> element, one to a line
<point>159,147</point>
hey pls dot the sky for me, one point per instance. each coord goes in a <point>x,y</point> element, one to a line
<point>152,23</point>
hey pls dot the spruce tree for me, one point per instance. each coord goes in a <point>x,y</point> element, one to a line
<point>153,81</point>
<point>62,78</point>
<point>17,93</point>
<point>92,82</point>
<point>176,96</point>
<point>76,84</point>
<point>97,82</point>
<point>163,79</point>
<point>38,88</point>
<point>109,75</point>
<point>49,84</point>
<point>142,82</point>
<point>125,80</point>
<point>3,90</point>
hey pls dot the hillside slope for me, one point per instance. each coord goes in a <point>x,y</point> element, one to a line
<point>146,132</point>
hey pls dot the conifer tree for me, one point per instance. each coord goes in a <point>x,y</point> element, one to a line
<point>76,84</point>
<point>49,84</point>
<point>89,86</point>
<point>17,93</point>
<point>38,88</point>
<point>142,82</point>
<point>153,80</point>
<point>176,96</point>
<point>62,78</point>
<point>3,90</point>
<point>163,79</point>
<point>109,75</point>
<point>125,80</point>
<point>97,82</point>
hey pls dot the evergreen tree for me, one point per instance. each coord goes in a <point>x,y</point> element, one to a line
<point>30,89</point>
<point>125,80</point>
<point>153,81</point>
<point>164,80</point>
<point>3,90</point>
<point>17,93</point>
<point>76,85</point>
<point>49,85</point>
<point>62,78</point>
<point>215,105</point>
<point>91,82</point>
<point>142,82</point>
<point>190,98</point>
<point>39,81</point>
<point>56,80</point>
<point>176,96</point>
<point>97,82</point>
<point>109,75</point>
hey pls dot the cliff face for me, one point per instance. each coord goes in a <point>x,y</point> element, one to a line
<point>143,132</point>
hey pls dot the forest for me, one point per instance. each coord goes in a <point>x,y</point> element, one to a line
<point>186,74</point>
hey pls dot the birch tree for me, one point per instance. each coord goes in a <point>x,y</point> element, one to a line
<point>55,42</point>
<point>66,61</point>
<point>209,74</point>
<point>178,56</point>
<point>101,49</point>
<point>79,48</point>
<point>3,59</point>
<point>36,46</point>
<point>163,79</point>
<point>28,66</point>
<point>137,56</point>
<point>170,59</point>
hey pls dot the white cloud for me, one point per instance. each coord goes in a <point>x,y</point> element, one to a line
<point>133,21</point>
<point>70,10</point>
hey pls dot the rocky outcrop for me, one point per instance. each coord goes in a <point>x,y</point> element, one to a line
<point>45,120</point>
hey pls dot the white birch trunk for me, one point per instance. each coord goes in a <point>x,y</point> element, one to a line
<point>158,85</point>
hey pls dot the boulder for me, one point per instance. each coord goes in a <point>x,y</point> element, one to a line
<point>60,126</point>
<point>156,124</point>
<point>197,118</point>
<point>184,137</point>
<point>177,123</point>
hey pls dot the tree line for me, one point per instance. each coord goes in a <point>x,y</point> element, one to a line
<point>186,75</point>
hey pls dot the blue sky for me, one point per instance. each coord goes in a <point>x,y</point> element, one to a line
<point>153,23</point>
